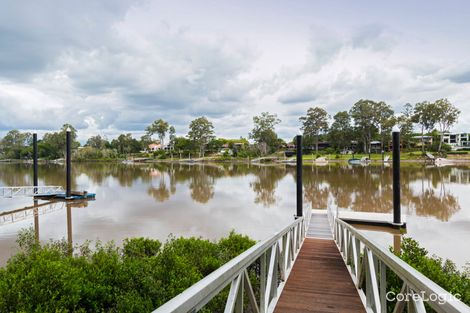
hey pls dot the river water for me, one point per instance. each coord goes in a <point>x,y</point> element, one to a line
<point>159,200</point>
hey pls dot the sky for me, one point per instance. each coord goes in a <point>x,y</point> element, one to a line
<point>114,66</point>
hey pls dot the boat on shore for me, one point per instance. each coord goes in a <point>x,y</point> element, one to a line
<point>444,162</point>
<point>320,161</point>
<point>361,161</point>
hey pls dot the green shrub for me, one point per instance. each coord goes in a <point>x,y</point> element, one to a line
<point>138,277</point>
<point>443,272</point>
<point>159,154</point>
<point>457,152</point>
<point>329,150</point>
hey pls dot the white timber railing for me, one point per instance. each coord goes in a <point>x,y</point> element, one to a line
<point>367,263</point>
<point>29,191</point>
<point>275,257</point>
<point>29,212</point>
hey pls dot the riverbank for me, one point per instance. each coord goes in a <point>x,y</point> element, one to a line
<point>411,157</point>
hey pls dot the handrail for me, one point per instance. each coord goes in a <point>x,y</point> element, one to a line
<point>17,215</point>
<point>368,262</point>
<point>276,253</point>
<point>9,192</point>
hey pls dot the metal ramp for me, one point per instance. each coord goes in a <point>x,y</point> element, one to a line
<point>319,226</point>
<point>29,191</point>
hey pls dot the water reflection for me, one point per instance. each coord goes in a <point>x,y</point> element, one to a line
<point>266,182</point>
<point>425,191</point>
<point>209,200</point>
<point>42,208</point>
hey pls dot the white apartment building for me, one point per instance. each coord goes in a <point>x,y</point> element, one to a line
<point>457,140</point>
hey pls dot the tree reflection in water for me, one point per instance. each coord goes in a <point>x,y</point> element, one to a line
<point>265,183</point>
<point>425,191</point>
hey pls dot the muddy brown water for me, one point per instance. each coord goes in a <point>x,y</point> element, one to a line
<point>209,200</point>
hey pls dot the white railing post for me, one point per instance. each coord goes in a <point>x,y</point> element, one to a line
<point>274,254</point>
<point>370,270</point>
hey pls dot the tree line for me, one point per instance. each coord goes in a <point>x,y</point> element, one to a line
<point>368,120</point>
<point>357,128</point>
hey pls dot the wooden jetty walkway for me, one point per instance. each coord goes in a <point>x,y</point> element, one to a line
<point>319,281</point>
<point>318,264</point>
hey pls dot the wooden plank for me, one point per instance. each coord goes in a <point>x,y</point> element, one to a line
<point>319,282</point>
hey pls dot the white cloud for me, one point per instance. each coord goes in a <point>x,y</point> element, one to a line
<point>113,67</point>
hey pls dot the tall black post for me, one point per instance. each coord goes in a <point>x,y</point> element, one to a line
<point>396,178</point>
<point>35,162</point>
<point>68,166</point>
<point>298,145</point>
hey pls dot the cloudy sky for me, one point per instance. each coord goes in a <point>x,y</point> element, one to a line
<point>114,66</point>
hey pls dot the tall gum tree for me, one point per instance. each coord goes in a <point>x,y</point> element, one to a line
<point>384,120</point>
<point>425,115</point>
<point>159,127</point>
<point>340,133</point>
<point>263,132</point>
<point>364,116</point>
<point>447,115</point>
<point>314,123</point>
<point>201,132</point>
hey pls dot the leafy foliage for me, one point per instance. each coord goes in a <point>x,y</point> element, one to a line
<point>159,127</point>
<point>263,132</point>
<point>315,122</point>
<point>201,132</point>
<point>443,272</point>
<point>138,277</point>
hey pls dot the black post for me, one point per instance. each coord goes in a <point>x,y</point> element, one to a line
<point>68,166</point>
<point>298,145</point>
<point>396,178</point>
<point>35,162</point>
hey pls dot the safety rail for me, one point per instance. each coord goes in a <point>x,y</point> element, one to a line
<point>367,263</point>
<point>29,191</point>
<point>275,257</point>
<point>14,216</point>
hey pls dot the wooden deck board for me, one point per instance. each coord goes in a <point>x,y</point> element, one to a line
<point>319,282</point>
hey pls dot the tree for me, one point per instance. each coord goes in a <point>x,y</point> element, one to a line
<point>201,131</point>
<point>53,145</point>
<point>341,131</point>
<point>145,141</point>
<point>405,123</point>
<point>424,114</point>
<point>172,135</point>
<point>263,132</point>
<point>363,113</point>
<point>446,116</point>
<point>159,127</point>
<point>384,121</point>
<point>15,144</point>
<point>315,122</point>
<point>96,142</point>
<point>126,144</point>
